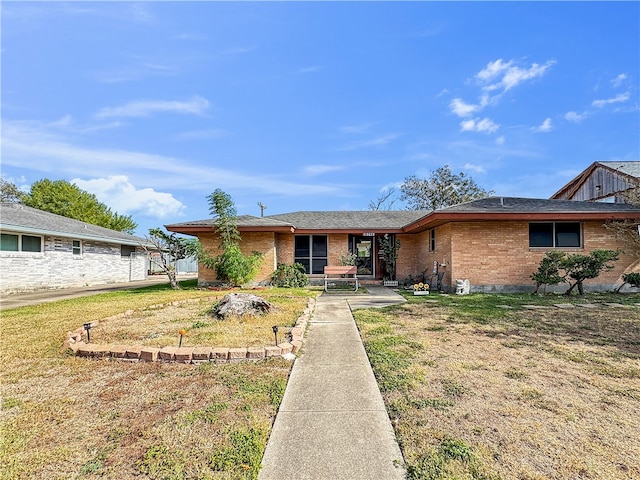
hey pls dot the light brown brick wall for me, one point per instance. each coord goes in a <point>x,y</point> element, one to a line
<point>498,254</point>
<point>489,254</point>
<point>263,242</point>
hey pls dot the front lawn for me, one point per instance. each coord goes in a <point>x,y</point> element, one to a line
<point>511,386</point>
<point>65,417</point>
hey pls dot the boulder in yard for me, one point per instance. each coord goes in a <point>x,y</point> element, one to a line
<point>239,305</point>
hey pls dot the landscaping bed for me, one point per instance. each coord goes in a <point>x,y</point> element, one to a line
<point>65,417</point>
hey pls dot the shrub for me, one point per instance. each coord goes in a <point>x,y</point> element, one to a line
<point>632,279</point>
<point>290,276</point>
<point>549,270</point>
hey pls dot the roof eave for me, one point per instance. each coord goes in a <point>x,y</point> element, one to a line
<point>54,233</point>
<point>436,219</point>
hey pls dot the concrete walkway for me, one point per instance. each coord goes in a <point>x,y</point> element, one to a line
<point>332,423</point>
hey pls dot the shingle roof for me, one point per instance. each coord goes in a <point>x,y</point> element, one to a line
<point>536,205</point>
<point>318,220</point>
<point>630,168</point>
<point>20,218</point>
<point>350,220</point>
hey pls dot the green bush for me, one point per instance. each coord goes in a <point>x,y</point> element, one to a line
<point>290,276</point>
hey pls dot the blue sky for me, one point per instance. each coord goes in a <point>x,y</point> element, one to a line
<point>152,106</point>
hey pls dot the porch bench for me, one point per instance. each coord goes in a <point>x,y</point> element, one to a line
<point>340,274</point>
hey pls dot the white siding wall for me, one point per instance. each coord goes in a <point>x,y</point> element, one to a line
<point>58,267</point>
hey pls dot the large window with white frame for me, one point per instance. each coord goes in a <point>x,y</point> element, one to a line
<point>14,242</point>
<point>555,234</point>
<point>311,251</point>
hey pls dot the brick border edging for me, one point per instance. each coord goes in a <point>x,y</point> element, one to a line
<point>189,355</point>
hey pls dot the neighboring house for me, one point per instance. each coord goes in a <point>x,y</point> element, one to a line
<point>496,243</point>
<point>602,182</point>
<point>41,250</point>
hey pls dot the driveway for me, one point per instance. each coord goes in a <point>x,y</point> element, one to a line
<point>16,300</point>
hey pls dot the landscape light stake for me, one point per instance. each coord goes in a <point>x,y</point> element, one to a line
<point>275,333</point>
<point>182,334</point>
<point>87,327</point>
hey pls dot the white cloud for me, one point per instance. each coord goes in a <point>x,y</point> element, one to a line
<point>202,134</point>
<point>143,108</point>
<point>500,75</point>
<point>501,140</point>
<point>621,98</point>
<point>310,69</point>
<point>544,127</point>
<point>619,80</point>
<point>119,194</point>
<point>493,70</point>
<point>34,146</point>
<point>321,169</point>
<point>575,117</point>
<point>380,141</point>
<point>485,125</point>
<point>462,109</point>
<point>351,129</point>
<point>475,168</point>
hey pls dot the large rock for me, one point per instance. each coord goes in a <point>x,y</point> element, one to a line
<point>239,305</point>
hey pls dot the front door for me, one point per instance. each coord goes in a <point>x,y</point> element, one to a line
<point>363,248</point>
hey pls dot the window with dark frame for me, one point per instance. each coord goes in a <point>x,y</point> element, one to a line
<point>311,251</point>
<point>432,240</point>
<point>127,251</point>
<point>76,247</point>
<point>21,243</point>
<point>555,234</point>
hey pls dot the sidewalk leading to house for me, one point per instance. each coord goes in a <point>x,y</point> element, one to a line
<point>332,423</point>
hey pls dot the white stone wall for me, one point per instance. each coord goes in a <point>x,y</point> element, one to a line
<point>58,267</point>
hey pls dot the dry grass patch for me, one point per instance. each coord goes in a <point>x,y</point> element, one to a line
<point>65,417</point>
<point>158,326</point>
<point>514,393</point>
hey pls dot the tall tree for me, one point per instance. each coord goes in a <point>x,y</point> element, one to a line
<point>442,189</point>
<point>9,192</point>
<point>67,199</point>
<point>231,266</point>
<point>385,200</point>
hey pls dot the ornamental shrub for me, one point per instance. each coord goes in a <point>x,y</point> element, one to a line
<point>290,276</point>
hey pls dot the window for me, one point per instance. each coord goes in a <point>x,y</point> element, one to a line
<point>555,234</point>
<point>311,252</point>
<point>432,240</point>
<point>9,242</point>
<point>20,243</point>
<point>76,247</point>
<point>127,251</point>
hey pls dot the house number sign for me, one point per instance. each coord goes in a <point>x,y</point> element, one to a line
<point>369,234</point>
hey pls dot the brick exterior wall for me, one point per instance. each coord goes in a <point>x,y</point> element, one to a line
<point>57,267</point>
<point>262,242</point>
<point>494,256</point>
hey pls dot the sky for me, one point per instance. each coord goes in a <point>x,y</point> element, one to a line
<point>152,106</point>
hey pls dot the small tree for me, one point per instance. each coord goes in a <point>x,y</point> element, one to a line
<point>579,267</point>
<point>549,270</point>
<point>231,266</point>
<point>389,247</point>
<point>632,278</point>
<point>168,250</point>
